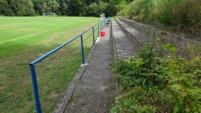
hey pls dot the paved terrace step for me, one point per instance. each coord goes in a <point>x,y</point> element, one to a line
<point>142,37</point>
<point>179,39</point>
<point>124,46</point>
<point>148,27</point>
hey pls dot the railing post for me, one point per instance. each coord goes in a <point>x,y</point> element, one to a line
<point>35,88</point>
<point>98,29</point>
<point>100,24</point>
<point>82,49</point>
<point>103,23</point>
<point>93,35</point>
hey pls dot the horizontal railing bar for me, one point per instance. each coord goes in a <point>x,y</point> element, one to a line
<point>90,28</point>
<point>52,51</point>
<point>96,24</point>
<point>86,30</point>
<point>59,47</point>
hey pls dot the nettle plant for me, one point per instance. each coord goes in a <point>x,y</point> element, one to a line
<point>158,80</point>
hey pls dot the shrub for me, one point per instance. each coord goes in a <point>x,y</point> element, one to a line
<point>158,82</point>
<point>141,9</point>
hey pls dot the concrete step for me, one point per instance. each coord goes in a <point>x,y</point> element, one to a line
<point>141,37</point>
<point>124,46</point>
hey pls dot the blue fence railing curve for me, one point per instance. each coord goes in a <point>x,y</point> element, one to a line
<point>100,24</point>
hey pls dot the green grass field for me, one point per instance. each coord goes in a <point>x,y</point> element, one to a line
<point>22,40</point>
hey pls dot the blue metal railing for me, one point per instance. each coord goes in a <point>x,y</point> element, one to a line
<point>33,63</point>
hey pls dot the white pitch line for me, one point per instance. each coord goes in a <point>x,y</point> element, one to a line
<point>26,36</point>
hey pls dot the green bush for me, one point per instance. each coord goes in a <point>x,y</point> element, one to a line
<point>177,12</point>
<point>180,12</point>
<point>141,9</point>
<point>158,81</point>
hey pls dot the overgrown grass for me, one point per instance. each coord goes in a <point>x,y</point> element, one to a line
<point>23,39</point>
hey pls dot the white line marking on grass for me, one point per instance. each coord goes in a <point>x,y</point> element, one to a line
<point>26,36</point>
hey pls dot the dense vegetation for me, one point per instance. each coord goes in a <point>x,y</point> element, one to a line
<point>159,81</point>
<point>60,7</point>
<point>176,12</point>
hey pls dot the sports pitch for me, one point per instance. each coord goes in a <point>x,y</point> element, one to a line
<point>22,40</point>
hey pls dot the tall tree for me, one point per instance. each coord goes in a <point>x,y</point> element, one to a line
<point>39,6</point>
<point>60,7</point>
<point>115,2</point>
<point>51,5</point>
<point>93,9</point>
<point>5,8</point>
<point>22,7</point>
<point>76,7</point>
<point>63,9</point>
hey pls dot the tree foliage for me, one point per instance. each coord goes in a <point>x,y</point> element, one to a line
<point>60,7</point>
<point>177,12</point>
<point>22,7</point>
<point>5,8</point>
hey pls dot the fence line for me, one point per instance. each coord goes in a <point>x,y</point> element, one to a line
<point>100,24</point>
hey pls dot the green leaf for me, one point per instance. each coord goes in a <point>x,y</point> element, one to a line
<point>176,108</point>
<point>173,49</point>
<point>188,109</point>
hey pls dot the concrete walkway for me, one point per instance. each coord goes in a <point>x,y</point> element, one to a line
<point>94,87</point>
<point>95,91</point>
